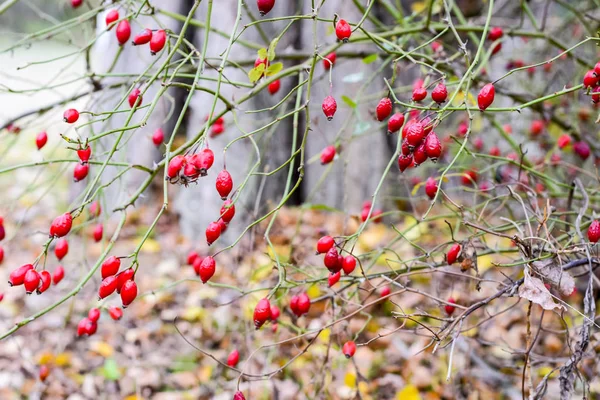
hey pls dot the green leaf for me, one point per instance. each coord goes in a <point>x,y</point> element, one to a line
<point>262,54</point>
<point>271,52</point>
<point>349,101</point>
<point>319,207</point>
<point>110,370</point>
<point>274,69</point>
<point>370,59</point>
<point>256,73</point>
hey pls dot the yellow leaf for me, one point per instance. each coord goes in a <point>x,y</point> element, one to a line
<point>350,380</point>
<point>45,358</point>
<point>151,246</point>
<point>62,359</point>
<point>193,313</point>
<point>325,335</point>
<point>133,397</point>
<point>363,387</point>
<point>484,262</point>
<point>102,348</point>
<point>410,392</point>
<point>313,291</point>
<point>418,6</point>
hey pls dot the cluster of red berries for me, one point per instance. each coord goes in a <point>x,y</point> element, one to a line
<point>495,34</point>
<point>217,128</point>
<point>591,81</point>
<point>334,261</point>
<point>190,167</point>
<point>419,143</point>
<point>115,281</point>
<point>157,39</point>
<point>89,325</point>
<point>82,168</point>
<point>376,215</point>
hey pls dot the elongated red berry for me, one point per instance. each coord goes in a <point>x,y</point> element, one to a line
<point>45,281</point>
<point>334,278</point>
<point>135,98</point>
<point>207,269</point>
<point>142,38</point>
<point>98,232</point>
<point>44,370</point>
<point>17,277</point>
<point>439,93</point>
<point>294,305</point>
<point>94,314</point>
<point>224,184</point>
<point>31,281</point>
<point>420,154</point>
<point>331,260</point>
<point>115,313</point>
<point>485,98</point>
<point>590,79</point>
<point>61,225</point>
<point>129,292</point>
<point>384,109</point>
<point>95,209</point>
<point>536,128</point>
<point>303,303</point>
<point>349,264</point>
<point>495,151</point>
<point>123,277</point>
<point>419,94</point>
<point>107,287</point>
<point>262,313</point>
<point>449,308</point>
<point>469,177</point>
<point>594,231</point>
<point>84,154</point>
<point>385,291</point>
<point>395,122</point>
<point>414,133</point>
<point>343,30</point>
<point>111,16</point>
<point>275,312</point>
<point>239,396</point>
<point>431,187</point>
<point>110,267</point>
<point>58,274</point>
<point>158,137</point>
<point>233,358</point>
<point>329,107</point>
<point>71,116</point>
<point>324,244</point>
<point>175,166</point>
<point>76,3</point>
<point>205,161</point>
<point>213,231</point>
<point>329,61</point>
<point>582,149</point>
<point>563,141</point>
<point>123,32</point>
<point>495,33</point>
<point>80,172</point>
<point>2,230</point>
<point>191,257</point>
<point>158,41</point>
<point>349,348</point>
<point>328,154</point>
<point>453,253</point>
<point>264,6</point>
<point>433,146</point>
<point>227,211</point>
<point>82,327</point>
<point>274,87</point>
<point>41,139</point>
<point>1,254</point>
<point>61,249</point>
<point>404,162</point>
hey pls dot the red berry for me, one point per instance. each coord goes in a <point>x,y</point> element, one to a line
<point>537,127</point>
<point>46,280</point>
<point>2,232</point>
<point>582,149</point>
<point>328,154</point>
<point>563,141</point>
<point>76,3</point>
<point>329,107</point>
<point>142,38</point>
<point>44,370</point>
<point>329,61</point>
<point>264,6</point>
<point>224,184</point>
<point>349,264</point>
<point>469,177</point>
<point>205,160</point>
<point>495,33</point>
<point>439,93</point>
<point>17,277</point>
<point>485,98</point>
<point>433,146</point>
<point>303,304</point>
<point>61,249</point>
<point>95,209</point>
<point>175,166</point>
<point>84,154</point>
<point>463,127</point>
<point>98,232</point>
<point>590,79</point>
<point>331,260</point>
<point>262,313</point>
<point>61,225</point>
<point>239,395</point>
<point>395,122</point>
<point>414,133</point>
<point>324,244</point>
<point>31,281</point>
<point>495,151</point>
<point>110,267</point>
<point>478,143</point>
<point>123,277</point>
<point>594,231</point>
<point>82,327</point>
<point>453,253</point>
<point>111,17</point>
<point>334,278</point>
<point>384,109</point>
<point>115,313</point>
<point>206,269</point>
<point>107,287</point>
<point>94,314</point>
<point>343,30</point>
<point>227,211</point>
<point>274,87</point>
<point>385,291</point>
<point>431,188</point>
<point>450,308</point>
<point>213,231</point>
<point>129,292</point>
<point>1,254</point>
<point>123,32</point>
<point>349,349</point>
<point>192,256</point>
<point>158,41</point>
<point>275,312</point>
<point>71,116</point>
<point>158,137</point>
<point>233,358</point>
<point>419,94</point>
<point>420,154</point>
<point>41,139</point>
<point>404,162</point>
<point>58,274</point>
<point>80,172</point>
<point>135,98</point>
